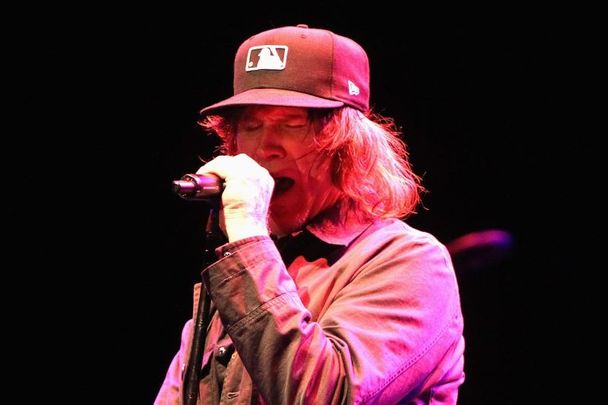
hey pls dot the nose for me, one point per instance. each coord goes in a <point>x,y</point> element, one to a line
<point>269,145</point>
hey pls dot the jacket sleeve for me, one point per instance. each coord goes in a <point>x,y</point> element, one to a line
<point>391,332</point>
<point>171,391</point>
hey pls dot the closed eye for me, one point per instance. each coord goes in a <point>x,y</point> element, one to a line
<point>250,125</point>
<point>297,125</point>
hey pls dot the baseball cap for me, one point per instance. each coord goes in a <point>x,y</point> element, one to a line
<point>298,66</point>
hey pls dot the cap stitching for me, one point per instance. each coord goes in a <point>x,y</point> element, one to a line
<point>331,70</point>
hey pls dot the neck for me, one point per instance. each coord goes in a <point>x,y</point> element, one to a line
<point>336,226</point>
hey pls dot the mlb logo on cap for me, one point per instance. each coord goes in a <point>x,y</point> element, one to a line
<point>269,57</point>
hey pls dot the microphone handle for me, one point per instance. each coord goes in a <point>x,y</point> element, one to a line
<point>198,187</point>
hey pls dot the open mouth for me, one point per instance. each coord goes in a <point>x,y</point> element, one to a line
<point>282,184</point>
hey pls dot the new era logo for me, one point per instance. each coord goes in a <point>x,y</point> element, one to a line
<point>353,90</point>
<point>266,57</point>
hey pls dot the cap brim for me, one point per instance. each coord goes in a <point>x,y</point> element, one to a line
<point>276,97</point>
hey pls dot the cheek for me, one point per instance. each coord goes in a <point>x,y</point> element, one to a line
<point>316,173</point>
<point>244,145</point>
<point>321,170</point>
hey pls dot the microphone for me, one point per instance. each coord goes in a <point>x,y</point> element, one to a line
<point>199,187</point>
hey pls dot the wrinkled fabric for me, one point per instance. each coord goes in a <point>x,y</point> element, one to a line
<point>377,321</point>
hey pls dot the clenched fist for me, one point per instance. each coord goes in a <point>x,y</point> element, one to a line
<point>246,197</point>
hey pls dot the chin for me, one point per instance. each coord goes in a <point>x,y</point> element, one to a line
<point>281,225</point>
<point>285,220</point>
<point>289,212</point>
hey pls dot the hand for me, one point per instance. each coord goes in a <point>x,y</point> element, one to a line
<point>246,197</point>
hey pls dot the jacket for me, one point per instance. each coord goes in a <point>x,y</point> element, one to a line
<point>376,320</point>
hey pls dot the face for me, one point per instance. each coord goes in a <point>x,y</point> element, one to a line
<point>281,139</point>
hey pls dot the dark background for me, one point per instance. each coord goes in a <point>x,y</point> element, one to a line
<point>105,104</point>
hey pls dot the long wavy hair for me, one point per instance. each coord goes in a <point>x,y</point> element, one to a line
<point>370,162</point>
